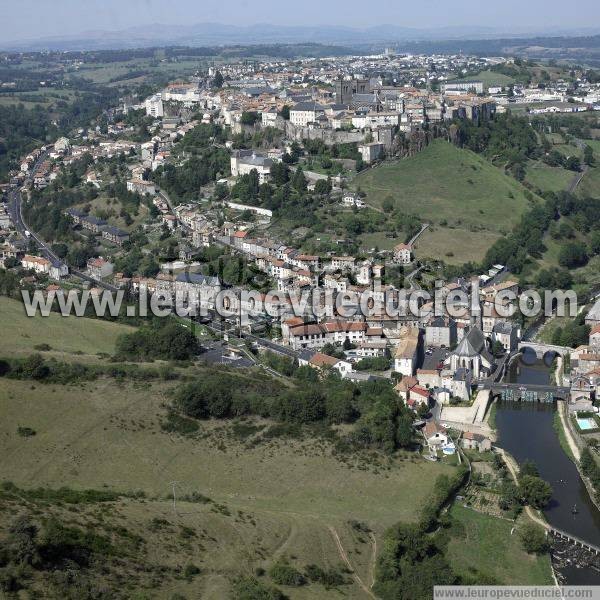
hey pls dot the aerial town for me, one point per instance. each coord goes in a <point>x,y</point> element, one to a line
<point>250,183</point>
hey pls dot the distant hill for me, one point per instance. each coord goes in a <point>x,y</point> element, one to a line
<point>485,40</point>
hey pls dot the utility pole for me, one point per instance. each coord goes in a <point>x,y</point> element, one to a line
<point>174,483</point>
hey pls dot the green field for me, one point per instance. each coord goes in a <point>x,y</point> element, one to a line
<point>546,178</point>
<point>595,145</point>
<point>485,543</point>
<point>20,334</point>
<point>489,78</point>
<point>454,246</point>
<point>590,184</point>
<point>103,435</point>
<point>447,185</point>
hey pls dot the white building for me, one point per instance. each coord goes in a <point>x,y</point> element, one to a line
<point>406,352</point>
<point>403,254</point>
<point>43,265</point>
<point>349,200</point>
<point>141,187</point>
<point>154,106</point>
<point>100,268</point>
<point>245,161</point>
<point>462,86</point>
<point>371,151</point>
<point>304,113</point>
<point>62,145</point>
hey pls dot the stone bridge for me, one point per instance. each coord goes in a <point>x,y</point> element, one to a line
<point>543,350</point>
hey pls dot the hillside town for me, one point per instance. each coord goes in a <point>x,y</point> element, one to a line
<point>439,358</point>
<point>299,301</point>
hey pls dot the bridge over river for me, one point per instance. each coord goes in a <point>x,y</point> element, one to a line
<point>528,392</point>
<point>545,350</point>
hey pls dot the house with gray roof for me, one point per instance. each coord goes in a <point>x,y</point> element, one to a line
<point>196,290</point>
<point>304,113</point>
<point>245,161</point>
<point>507,334</point>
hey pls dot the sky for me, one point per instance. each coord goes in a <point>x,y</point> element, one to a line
<point>31,19</point>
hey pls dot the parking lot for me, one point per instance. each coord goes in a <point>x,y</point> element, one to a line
<point>435,358</point>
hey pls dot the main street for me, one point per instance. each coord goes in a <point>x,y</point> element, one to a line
<point>15,209</point>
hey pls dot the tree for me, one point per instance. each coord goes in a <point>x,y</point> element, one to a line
<point>572,255</point>
<point>285,112</point>
<point>588,156</point>
<point>529,468</point>
<point>323,187</point>
<point>285,574</point>
<point>34,367</point>
<point>533,538</point>
<point>573,164</point>
<point>534,491</point>
<point>299,182</point>
<point>249,118</point>
<point>497,348</point>
<point>595,242</point>
<point>423,410</point>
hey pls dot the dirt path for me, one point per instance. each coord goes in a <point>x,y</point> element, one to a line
<point>347,562</point>
<point>373,562</point>
<point>562,408</point>
<point>577,180</point>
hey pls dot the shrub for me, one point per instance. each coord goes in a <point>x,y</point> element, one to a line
<point>285,574</point>
<point>328,578</point>
<point>249,588</point>
<point>533,538</point>
<point>175,423</point>
<point>190,571</point>
<point>26,431</point>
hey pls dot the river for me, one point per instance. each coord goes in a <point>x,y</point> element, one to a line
<point>526,431</point>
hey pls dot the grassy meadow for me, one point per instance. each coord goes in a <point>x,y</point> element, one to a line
<point>105,435</point>
<point>493,545</point>
<point>461,189</point>
<point>64,335</point>
<point>546,178</point>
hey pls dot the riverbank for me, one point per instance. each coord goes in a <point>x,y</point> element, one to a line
<point>565,435</point>
<point>513,468</point>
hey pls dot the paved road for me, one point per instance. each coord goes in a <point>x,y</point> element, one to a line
<point>217,326</point>
<point>16,216</point>
<point>166,198</point>
<point>418,234</point>
<point>577,179</point>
